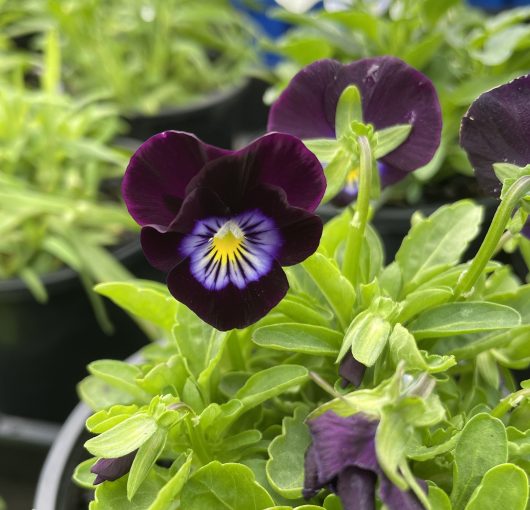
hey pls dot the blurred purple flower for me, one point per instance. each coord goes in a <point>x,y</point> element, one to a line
<point>222,223</point>
<point>392,93</point>
<point>112,469</point>
<point>342,457</point>
<point>496,129</point>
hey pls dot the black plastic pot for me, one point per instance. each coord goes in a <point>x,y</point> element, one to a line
<point>213,119</point>
<point>44,348</point>
<point>55,489</point>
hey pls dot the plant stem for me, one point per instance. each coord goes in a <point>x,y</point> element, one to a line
<point>498,225</point>
<point>354,241</point>
<point>511,401</point>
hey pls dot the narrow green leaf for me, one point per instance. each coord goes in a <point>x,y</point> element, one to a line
<point>167,496</point>
<point>285,467</point>
<point>349,109</point>
<point>438,499</point>
<point>314,340</point>
<point>482,445</point>
<point>124,438</point>
<point>463,317</point>
<point>391,138</point>
<point>144,460</point>
<point>503,486</point>
<point>119,374</point>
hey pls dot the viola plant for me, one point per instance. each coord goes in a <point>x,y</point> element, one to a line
<point>264,417</point>
<point>222,223</point>
<point>326,102</point>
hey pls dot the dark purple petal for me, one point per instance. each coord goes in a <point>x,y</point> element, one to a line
<point>231,307</point>
<point>306,108</point>
<point>300,230</point>
<point>161,249</point>
<point>112,469</point>
<point>388,174</point>
<point>356,489</point>
<point>159,171</point>
<point>351,371</point>
<point>392,93</point>
<point>496,129</point>
<point>396,499</point>
<point>340,442</point>
<point>275,159</point>
<point>526,229</point>
<point>311,481</point>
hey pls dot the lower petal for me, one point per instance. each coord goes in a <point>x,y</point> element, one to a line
<point>356,489</point>
<point>230,307</point>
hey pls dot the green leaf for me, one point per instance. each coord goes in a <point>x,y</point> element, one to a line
<point>481,446</point>
<point>97,394</point>
<point>438,499</point>
<point>120,375</point>
<point>423,299</point>
<point>368,339</point>
<point>335,172</point>
<point>144,460</point>
<point>461,318</point>
<point>349,109</point>
<point>403,348</point>
<point>83,476</point>
<point>437,241</point>
<point>285,467</point>
<point>503,486</point>
<point>304,312</point>
<point>271,382</point>
<point>107,418</point>
<point>224,486</point>
<point>125,437</point>
<point>391,138</point>
<point>142,300</point>
<point>314,340</point>
<point>337,290</point>
<point>323,148</point>
<point>167,495</point>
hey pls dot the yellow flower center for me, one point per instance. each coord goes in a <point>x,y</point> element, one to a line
<point>227,242</point>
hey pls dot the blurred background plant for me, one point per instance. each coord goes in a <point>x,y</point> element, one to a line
<point>164,53</point>
<point>58,203</point>
<point>463,50</point>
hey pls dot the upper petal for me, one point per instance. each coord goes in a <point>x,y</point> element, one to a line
<point>155,181</point>
<point>274,159</point>
<point>496,129</point>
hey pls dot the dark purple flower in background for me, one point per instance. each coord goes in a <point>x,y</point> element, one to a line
<point>392,93</point>
<point>342,458</point>
<point>496,129</point>
<point>222,223</point>
<point>112,469</point>
<point>351,371</point>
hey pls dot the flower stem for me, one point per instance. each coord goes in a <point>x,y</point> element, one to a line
<point>354,241</point>
<point>498,225</point>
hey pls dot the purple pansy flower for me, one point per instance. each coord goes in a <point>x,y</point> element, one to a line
<point>112,469</point>
<point>392,93</point>
<point>496,129</point>
<point>351,371</point>
<point>342,457</point>
<point>222,223</point>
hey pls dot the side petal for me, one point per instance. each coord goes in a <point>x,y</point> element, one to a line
<point>356,489</point>
<point>157,175</point>
<point>229,307</point>
<point>161,248</point>
<point>496,129</point>
<point>300,231</point>
<point>305,108</point>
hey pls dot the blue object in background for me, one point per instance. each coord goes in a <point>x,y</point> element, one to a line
<point>498,5</point>
<point>272,28</point>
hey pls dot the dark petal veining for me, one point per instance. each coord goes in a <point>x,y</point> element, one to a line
<point>112,469</point>
<point>496,129</point>
<point>229,307</point>
<point>157,175</point>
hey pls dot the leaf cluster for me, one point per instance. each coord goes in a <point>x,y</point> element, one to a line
<point>220,419</point>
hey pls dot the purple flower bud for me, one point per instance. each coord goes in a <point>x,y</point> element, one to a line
<point>112,469</point>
